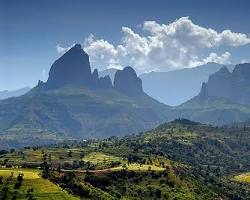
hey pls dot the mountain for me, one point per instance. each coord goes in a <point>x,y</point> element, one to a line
<point>75,103</point>
<point>223,99</point>
<point>234,86</point>
<point>176,87</point>
<point>13,93</point>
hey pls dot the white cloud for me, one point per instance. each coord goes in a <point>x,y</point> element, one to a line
<point>223,59</point>
<point>101,51</point>
<point>61,49</point>
<point>164,46</point>
<point>214,57</point>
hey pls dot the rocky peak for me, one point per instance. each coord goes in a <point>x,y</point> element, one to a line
<point>127,82</point>
<point>95,74</point>
<point>224,70</point>
<point>71,68</point>
<point>233,86</point>
<point>242,71</point>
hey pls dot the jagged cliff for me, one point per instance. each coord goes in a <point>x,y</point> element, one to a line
<point>233,86</point>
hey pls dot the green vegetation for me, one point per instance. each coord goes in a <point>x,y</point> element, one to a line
<point>177,160</point>
<point>72,112</point>
<point>98,157</point>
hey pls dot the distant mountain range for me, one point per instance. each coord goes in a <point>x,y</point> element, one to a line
<point>177,86</point>
<point>76,103</point>
<point>13,93</point>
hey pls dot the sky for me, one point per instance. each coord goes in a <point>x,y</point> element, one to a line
<point>157,35</point>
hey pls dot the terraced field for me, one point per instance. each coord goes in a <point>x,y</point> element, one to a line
<point>98,157</point>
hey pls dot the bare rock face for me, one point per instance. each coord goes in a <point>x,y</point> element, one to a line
<point>219,83</point>
<point>233,86</point>
<point>127,82</point>
<point>242,72</point>
<point>203,92</point>
<point>105,82</point>
<point>72,68</point>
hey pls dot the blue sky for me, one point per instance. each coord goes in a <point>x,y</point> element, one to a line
<point>31,30</point>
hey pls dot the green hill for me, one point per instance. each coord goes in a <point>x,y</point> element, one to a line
<point>45,116</point>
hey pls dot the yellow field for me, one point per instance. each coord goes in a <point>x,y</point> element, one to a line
<point>28,174</point>
<point>245,177</point>
<point>138,167</point>
<point>42,188</point>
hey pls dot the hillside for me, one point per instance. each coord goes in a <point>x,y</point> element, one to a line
<point>177,160</point>
<point>13,93</point>
<point>214,110</point>
<point>28,184</point>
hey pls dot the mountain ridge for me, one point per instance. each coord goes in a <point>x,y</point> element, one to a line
<point>65,107</point>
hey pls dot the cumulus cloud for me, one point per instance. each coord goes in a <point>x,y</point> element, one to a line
<point>102,52</point>
<point>214,57</point>
<point>162,47</point>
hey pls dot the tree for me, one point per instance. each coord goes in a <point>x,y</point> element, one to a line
<point>19,181</point>
<point>12,150</point>
<point>70,154</point>
<point>82,154</point>
<point>46,170</point>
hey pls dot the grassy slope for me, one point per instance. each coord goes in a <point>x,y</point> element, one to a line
<point>42,189</point>
<point>49,116</point>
